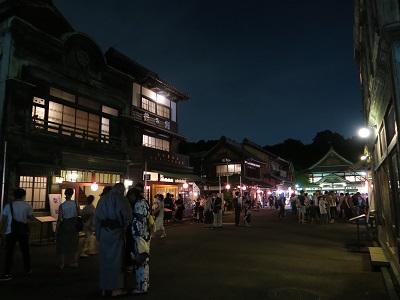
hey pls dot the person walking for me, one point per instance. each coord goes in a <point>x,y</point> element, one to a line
<point>141,234</point>
<point>15,217</point>
<point>158,212</point>
<point>237,205</point>
<point>113,214</point>
<point>67,231</point>
<point>217,211</point>
<point>88,215</point>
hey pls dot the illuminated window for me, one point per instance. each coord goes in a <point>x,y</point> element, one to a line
<point>77,122</point>
<point>148,105</point>
<point>153,102</point>
<point>107,178</point>
<point>38,110</point>
<point>36,190</point>
<point>109,110</point>
<point>223,170</point>
<point>163,111</point>
<point>105,129</point>
<point>156,143</point>
<point>149,93</point>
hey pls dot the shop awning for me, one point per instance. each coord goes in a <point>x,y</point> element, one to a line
<point>182,176</point>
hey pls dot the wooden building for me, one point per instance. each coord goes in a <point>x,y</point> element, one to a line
<point>73,116</point>
<point>333,172</point>
<point>377,53</point>
<point>230,165</point>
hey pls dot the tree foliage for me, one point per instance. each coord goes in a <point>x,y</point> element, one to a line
<point>304,155</point>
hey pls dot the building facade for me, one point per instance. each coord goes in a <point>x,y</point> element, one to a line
<point>73,116</point>
<point>230,166</point>
<point>333,172</point>
<point>377,52</point>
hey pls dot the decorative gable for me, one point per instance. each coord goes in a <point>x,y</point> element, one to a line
<point>331,160</point>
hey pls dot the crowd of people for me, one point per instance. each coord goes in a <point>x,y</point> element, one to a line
<point>119,229</point>
<point>121,226</point>
<point>209,209</point>
<point>321,207</point>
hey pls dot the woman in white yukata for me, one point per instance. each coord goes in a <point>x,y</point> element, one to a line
<point>158,212</point>
<point>141,236</point>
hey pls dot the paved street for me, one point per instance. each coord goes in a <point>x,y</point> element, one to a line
<point>271,260</point>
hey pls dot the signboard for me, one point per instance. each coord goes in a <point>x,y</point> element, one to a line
<point>54,201</point>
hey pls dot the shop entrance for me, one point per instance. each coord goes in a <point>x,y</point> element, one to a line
<point>164,189</point>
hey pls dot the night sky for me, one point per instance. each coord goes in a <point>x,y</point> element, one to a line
<point>265,70</point>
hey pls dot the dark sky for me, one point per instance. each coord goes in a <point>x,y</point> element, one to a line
<point>266,70</point>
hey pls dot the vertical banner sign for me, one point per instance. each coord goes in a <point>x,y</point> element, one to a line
<point>54,201</point>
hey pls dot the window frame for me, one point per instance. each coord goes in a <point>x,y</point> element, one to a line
<point>25,184</point>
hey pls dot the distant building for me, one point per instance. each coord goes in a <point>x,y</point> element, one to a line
<point>74,117</point>
<point>333,172</point>
<point>245,165</point>
<point>377,52</point>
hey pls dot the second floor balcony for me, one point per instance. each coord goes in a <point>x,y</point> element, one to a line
<point>61,130</point>
<point>145,117</point>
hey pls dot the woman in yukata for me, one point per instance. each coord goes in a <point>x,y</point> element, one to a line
<point>141,238</point>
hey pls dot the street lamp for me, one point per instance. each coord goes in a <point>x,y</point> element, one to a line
<point>228,186</point>
<point>364,132</point>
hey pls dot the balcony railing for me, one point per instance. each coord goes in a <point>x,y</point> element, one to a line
<point>166,158</point>
<point>153,120</point>
<point>65,130</point>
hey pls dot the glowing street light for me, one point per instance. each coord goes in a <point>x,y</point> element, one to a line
<point>185,185</point>
<point>228,186</point>
<point>364,132</point>
<point>364,157</point>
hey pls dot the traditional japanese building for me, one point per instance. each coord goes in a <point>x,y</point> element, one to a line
<point>333,172</point>
<point>230,165</point>
<point>72,116</point>
<point>377,53</point>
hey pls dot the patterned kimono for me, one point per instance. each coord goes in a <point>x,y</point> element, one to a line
<point>141,233</point>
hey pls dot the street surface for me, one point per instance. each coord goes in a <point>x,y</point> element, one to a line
<point>273,259</point>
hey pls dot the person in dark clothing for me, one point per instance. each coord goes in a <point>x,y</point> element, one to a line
<point>237,205</point>
<point>180,207</point>
<point>16,215</point>
<point>169,207</point>
<point>281,204</point>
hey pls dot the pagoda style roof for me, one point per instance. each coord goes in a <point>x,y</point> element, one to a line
<point>331,162</point>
